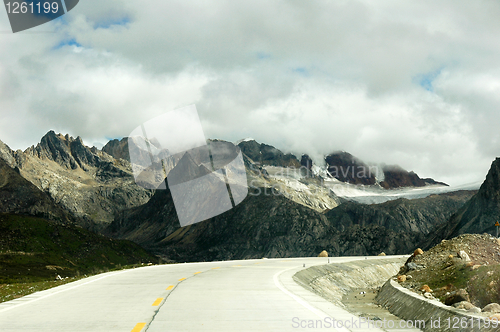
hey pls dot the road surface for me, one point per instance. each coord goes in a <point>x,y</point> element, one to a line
<point>246,295</point>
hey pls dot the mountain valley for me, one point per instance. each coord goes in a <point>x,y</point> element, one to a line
<point>294,207</point>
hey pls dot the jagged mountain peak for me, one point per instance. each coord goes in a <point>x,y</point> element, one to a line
<point>118,148</point>
<point>490,189</point>
<point>65,150</point>
<point>18,195</point>
<point>345,167</point>
<point>7,154</point>
<point>266,154</point>
<point>478,215</point>
<point>187,169</point>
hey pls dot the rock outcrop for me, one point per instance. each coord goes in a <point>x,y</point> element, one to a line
<point>265,224</point>
<point>7,155</point>
<point>478,215</point>
<point>346,168</point>
<point>87,182</point>
<point>19,196</point>
<point>268,155</point>
<point>401,215</point>
<point>118,148</point>
<point>395,177</point>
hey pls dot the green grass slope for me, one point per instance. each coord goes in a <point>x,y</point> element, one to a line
<point>34,249</point>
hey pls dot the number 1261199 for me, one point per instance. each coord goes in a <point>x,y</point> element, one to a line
<point>32,8</point>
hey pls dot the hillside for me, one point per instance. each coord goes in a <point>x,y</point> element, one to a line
<point>401,215</point>
<point>462,272</point>
<point>41,240</point>
<point>34,249</point>
<point>19,196</point>
<point>267,224</point>
<point>88,183</point>
<point>478,215</point>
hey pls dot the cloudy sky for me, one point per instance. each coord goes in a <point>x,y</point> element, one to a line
<point>414,83</point>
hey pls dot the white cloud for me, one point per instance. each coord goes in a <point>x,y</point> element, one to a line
<point>389,81</point>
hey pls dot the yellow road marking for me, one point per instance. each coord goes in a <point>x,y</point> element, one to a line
<point>182,279</point>
<point>170,287</point>
<point>138,327</point>
<point>197,272</point>
<point>215,268</point>
<point>157,302</point>
<point>236,265</point>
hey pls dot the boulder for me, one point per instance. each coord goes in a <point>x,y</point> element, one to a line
<point>425,289</point>
<point>402,278</point>
<point>465,305</point>
<point>492,307</point>
<point>324,253</point>
<point>418,252</point>
<point>413,266</point>
<point>474,310</point>
<point>381,254</point>
<point>494,317</point>
<point>428,296</point>
<point>464,256</point>
<point>457,296</point>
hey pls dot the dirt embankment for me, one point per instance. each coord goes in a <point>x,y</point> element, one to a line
<point>463,272</point>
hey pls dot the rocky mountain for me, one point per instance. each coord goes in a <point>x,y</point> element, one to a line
<point>264,154</point>
<point>268,224</point>
<point>19,196</point>
<point>346,168</point>
<point>87,182</point>
<point>95,185</point>
<point>401,215</point>
<point>478,215</point>
<point>118,148</point>
<point>263,225</point>
<point>395,177</point>
<point>339,165</point>
<point>39,238</point>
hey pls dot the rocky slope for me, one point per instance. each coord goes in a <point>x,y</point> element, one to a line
<point>118,148</point>
<point>401,215</point>
<point>265,224</point>
<point>34,249</point>
<point>339,165</point>
<point>268,155</point>
<point>19,196</point>
<point>87,182</point>
<point>462,272</point>
<point>346,168</point>
<point>40,239</point>
<point>396,177</point>
<point>478,215</point>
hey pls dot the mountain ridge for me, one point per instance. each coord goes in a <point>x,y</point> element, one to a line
<point>478,215</point>
<point>87,182</point>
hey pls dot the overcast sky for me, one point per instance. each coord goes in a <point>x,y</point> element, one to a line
<point>414,83</point>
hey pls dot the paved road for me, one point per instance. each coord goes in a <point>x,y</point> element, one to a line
<point>248,295</point>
